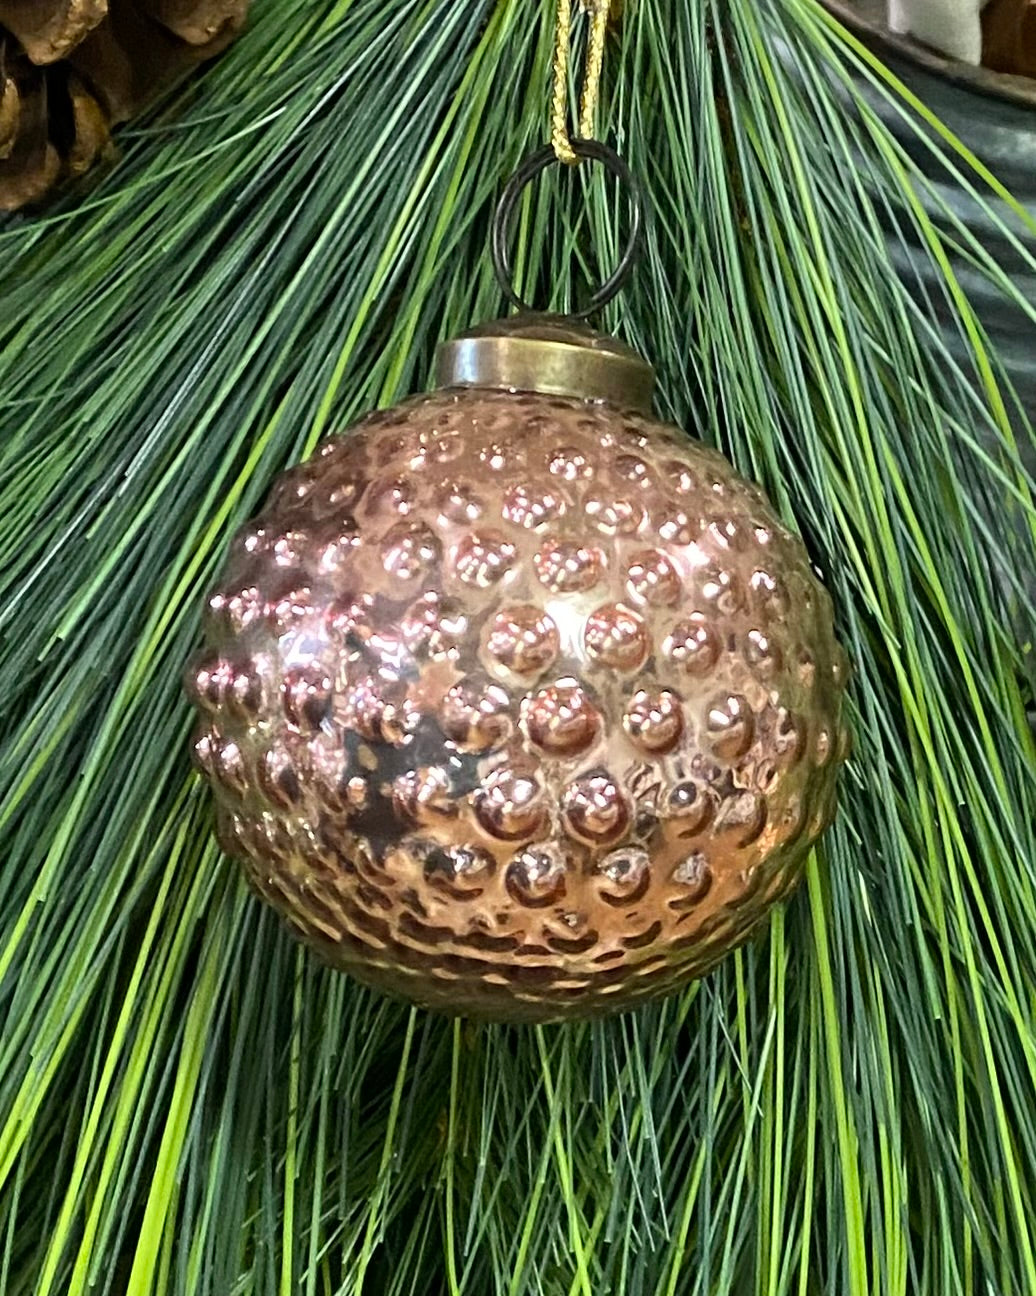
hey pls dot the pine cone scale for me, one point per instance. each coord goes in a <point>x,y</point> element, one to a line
<point>73,68</point>
<point>10,112</point>
<point>90,128</point>
<point>47,31</point>
<point>32,163</point>
<point>199,24</point>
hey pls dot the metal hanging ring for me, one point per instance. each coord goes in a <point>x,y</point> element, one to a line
<point>504,219</point>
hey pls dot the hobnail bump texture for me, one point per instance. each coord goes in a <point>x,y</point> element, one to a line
<point>519,706</point>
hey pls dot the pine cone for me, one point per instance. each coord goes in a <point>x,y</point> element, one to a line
<point>70,69</point>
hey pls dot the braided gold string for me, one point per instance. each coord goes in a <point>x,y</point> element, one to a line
<point>600,11</point>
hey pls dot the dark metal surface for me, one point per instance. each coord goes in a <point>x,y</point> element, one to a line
<point>533,166</point>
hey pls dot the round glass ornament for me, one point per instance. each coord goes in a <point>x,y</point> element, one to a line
<point>515,701</point>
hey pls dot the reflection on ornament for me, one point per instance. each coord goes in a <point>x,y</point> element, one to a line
<point>516,702</point>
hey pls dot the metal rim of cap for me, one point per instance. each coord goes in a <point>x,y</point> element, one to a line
<point>548,354</point>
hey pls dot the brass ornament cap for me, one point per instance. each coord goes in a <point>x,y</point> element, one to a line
<point>551,354</point>
<point>518,703</point>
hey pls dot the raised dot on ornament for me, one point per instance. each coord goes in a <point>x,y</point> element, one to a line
<point>693,877</point>
<point>373,715</point>
<point>616,636</point>
<point>511,803</point>
<point>284,610</point>
<point>234,612</point>
<point>209,682</point>
<point>561,720</point>
<point>348,617</point>
<point>391,495</point>
<point>789,737</point>
<point>679,477</point>
<point>204,748</point>
<point>727,534</point>
<point>633,469</point>
<point>483,558</point>
<point>424,795</point>
<point>338,546</point>
<point>535,877</point>
<point>306,693</point>
<point>532,509</point>
<point>570,464</point>
<point>257,541</point>
<point>762,654</point>
<point>654,720</point>
<point>474,714</point>
<point>690,805</point>
<point>434,626</point>
<point>623,875</point>
<point>409,550</point>
<point>443,445</point>
<point>635,436</point>
<point>614,516</point>
<point>278,780</point>
<point>652,579</point>
<point>595,809</point>
<point>721,588</point>
<point>790,819</point>
<point>458,502</point>
<point>357,793</point>
<point>290,548</point>
<point>769,591</point>
<point>692,645</point>
<point>523,640</point>
<point>327,771</point>
<point>677,527</point>
<point>457,869</point>
<point>496,456</point>
<point>568,567</point>
<point>741,819</point>
<point>730,726</point>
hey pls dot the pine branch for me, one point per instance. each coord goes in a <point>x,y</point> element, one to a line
<point>190,1104</point>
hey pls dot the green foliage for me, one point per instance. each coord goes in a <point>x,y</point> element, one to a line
<point>188,1103</point>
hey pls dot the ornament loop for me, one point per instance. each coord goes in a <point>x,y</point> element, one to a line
<point>533,166</point>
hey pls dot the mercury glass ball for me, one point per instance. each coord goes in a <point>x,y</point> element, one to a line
<point>519,704</point>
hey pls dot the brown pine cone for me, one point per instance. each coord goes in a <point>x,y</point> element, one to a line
<point>1009,37</point>
<point>69,69</point>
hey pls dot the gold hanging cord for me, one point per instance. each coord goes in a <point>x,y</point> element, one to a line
<point>599,11</point>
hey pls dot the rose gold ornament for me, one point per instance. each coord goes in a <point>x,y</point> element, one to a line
<point>516,702</point>
<point>519,703</point>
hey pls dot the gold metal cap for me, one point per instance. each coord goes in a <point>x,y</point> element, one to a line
<point>547,353</point>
